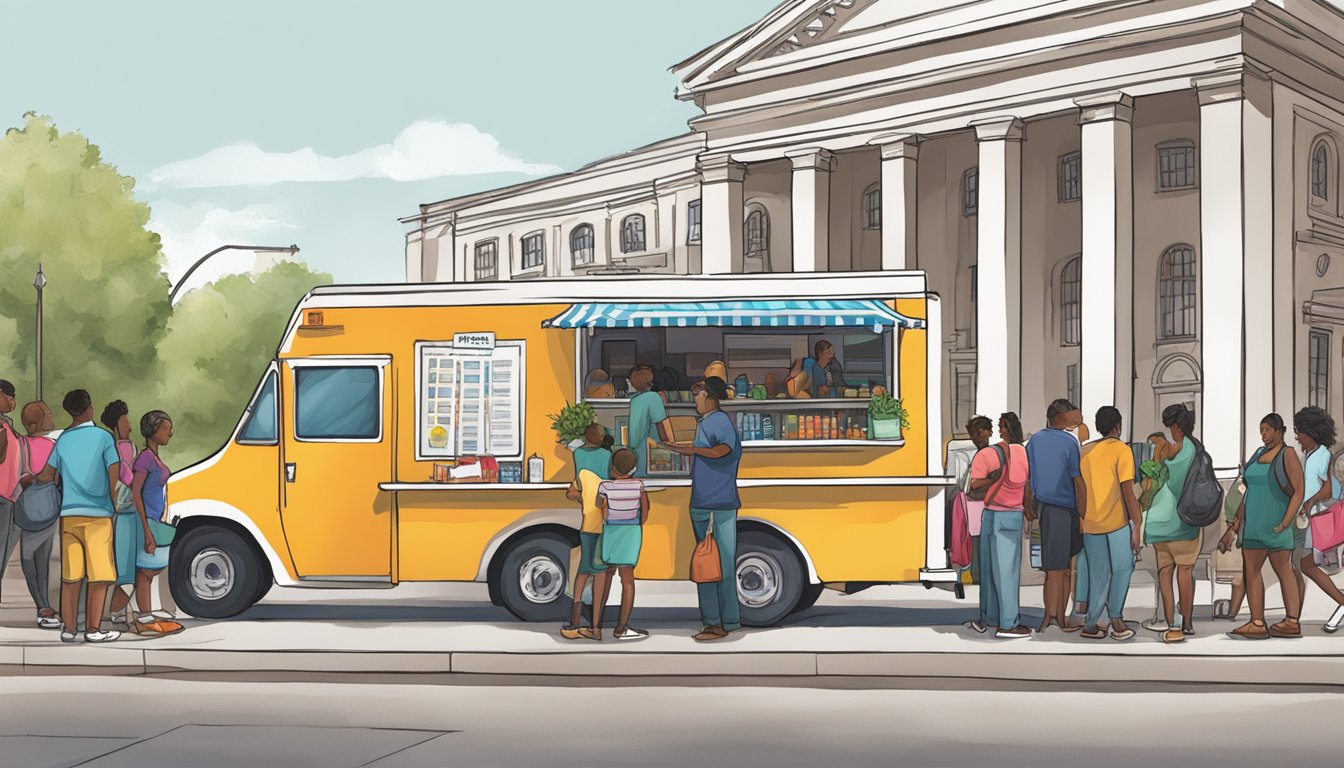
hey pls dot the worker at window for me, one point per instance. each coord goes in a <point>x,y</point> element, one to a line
<point>823,369</point>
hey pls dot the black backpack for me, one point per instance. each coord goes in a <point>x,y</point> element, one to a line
<point>1201,501</point>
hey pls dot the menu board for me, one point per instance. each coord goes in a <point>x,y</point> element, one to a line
<point>470,401</point>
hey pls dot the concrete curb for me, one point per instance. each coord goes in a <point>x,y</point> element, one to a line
<point>1317,670</point>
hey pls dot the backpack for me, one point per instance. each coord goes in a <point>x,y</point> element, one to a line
<point>39,504</point>
<point>1201,500</point>
<point>961,532</point>
<point>980,494</point>
<point>1276,468</point>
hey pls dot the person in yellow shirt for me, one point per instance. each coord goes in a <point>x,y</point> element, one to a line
<point>1110,518</point>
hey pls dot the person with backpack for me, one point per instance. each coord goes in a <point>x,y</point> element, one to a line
<point>1272,476</point>
<point>1000,472</point>
<point>968,513</point>
<point>1175,542</point>
<point>1315,432</point>
<point>37,510</point>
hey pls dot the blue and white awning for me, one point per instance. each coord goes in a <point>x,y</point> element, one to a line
<point>791,313</point>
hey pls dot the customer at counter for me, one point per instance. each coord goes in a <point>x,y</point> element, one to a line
<point>822,369</point>
<point>647,414</point>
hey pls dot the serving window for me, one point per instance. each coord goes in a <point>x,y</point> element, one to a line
<point>469,402</point>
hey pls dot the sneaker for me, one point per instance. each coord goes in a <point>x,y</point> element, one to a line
<point>1156,625</point>
<point>69,637</point>
<point>1336,620</point>
<point>1173,636</point>
<point>47,619</point>
<point>630,633</point>
<point>710,634</point>
<point>1288,629</point>
<point>101,636</point>
<point>977,627</point>
<point>1016,633</point>
<point>1251,630</point>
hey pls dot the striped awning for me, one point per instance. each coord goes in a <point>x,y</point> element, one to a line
<point>791,313</point>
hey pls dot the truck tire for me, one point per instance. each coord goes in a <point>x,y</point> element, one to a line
<point>809,597</point>
<point>532,577</point>
<point>770,578</point>
<point>215,573</point>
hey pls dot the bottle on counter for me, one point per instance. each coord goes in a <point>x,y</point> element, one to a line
<point>536,469</point>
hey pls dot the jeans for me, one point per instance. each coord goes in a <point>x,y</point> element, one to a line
<point>1110,562</point>
<point>9,532</point>
<point>1081,585</point>
<point>35,553</point>
<point>718,600</point>
<point>1000,567</point>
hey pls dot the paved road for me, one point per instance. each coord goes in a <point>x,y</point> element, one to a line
<point>100,722</point>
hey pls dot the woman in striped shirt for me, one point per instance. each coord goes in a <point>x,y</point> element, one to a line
<point>625,507</point>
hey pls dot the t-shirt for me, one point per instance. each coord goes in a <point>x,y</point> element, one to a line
<point>82,455</point>
<point>126,452</point>
<point>1315,471</point>
<point>1053,457</point>
<point>154,492</point>
<point>714,481</point>
<point>1007,493</point>
<point>595,460</point>
<point>1106,466</point>
<point>623,500</point>
<point>9,468</point>
<point>646,413</point>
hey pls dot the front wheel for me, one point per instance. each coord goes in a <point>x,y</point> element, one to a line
<point>770,578</point>
<point>531,578</point>
<point>214,573</point>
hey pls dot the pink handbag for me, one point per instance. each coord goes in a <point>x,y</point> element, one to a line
<point>1327,528</point>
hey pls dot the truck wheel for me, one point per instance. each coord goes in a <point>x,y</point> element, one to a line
<point>809,597</point>
<point>532,577</point>
<point>214,573</point>
<point>770,578</point>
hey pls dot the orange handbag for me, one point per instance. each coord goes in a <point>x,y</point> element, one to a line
<point>705,567</point>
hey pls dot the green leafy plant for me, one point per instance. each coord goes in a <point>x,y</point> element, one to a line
<point>885,407</point>
<point>570,423</point>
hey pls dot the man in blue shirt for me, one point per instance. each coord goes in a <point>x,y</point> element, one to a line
<point>714,503</point>
<point>1053,458</point>
<point>822,370</point>
<point>87,459</point>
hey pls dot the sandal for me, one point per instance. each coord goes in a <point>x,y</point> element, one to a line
<point>1288,629</point>
<point>1124,634</point>
<point>1094,634</point>
<point>1251,630</point>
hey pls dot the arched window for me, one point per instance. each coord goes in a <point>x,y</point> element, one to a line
<point>581,245</point>
<point>756,235</point>
<point>632,233</point>
<point>1176,293</point>
<point>872,207</point>
<point>970,191</point>
<point>1071,302</point>
<point>1320,171</point>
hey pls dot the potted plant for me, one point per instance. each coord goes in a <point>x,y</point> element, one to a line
<point>570,423</point>
<point>887,417</point>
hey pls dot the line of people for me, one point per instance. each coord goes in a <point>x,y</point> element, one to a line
<point>106,501</point>
<point>1093,526</point>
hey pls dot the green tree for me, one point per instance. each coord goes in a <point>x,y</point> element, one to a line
<point>219,341</point>
<point>106,305</point>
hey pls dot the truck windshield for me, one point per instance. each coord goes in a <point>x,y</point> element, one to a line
<point>261,416</point>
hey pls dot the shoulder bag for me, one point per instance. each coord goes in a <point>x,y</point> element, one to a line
<point>705,566</point>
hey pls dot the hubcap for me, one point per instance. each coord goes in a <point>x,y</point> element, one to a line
<point>758,579</point>
<point>212,575</point>
<point>541,580</point>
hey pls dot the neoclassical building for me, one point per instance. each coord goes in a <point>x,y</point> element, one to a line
<point>1119,202</point>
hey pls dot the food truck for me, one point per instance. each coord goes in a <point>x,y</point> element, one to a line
<point>405,433</point>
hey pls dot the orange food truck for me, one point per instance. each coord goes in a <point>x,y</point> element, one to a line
<point>404,433</point>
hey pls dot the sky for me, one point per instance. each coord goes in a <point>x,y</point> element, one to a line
<point>321,124</point>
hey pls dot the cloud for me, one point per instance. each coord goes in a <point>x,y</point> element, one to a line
<point>190,232</point>
<point>426,149</point>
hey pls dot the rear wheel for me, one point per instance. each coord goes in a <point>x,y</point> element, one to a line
<point>770,578</point>
<point>532,577</point>
<point>214,573</point>
<point>809,597</point>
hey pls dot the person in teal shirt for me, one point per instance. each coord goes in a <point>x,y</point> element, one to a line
<point>647,413</point>
<point>1175,543</point>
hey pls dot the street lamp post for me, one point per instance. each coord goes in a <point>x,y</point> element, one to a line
<point>39,282</point>
<point>290,249</point>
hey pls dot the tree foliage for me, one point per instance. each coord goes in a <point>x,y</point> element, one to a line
<point>108,325</point>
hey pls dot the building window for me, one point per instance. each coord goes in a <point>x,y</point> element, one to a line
<point>965,395</point>
<point>1320,171</point>
<point>1074,384</point>
<point>1071,302</point>
<point>1318,369</point>
<point>757,235</point>
<point>872,207</point>
<point>970,192</point>
<point>487,260</point>
<point>693,221</point>
<point>1176,293</point>
<point>581,245</point>
<point>1176,165</point>
<point>632,233</point>
<point>1071,177</point>
<point>469,401</point>
<point>336,404</point>
<point>534,250</point>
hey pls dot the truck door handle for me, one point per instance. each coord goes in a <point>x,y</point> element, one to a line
<point>290,471</point>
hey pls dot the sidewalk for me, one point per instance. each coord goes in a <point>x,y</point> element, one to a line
<point>903,631</point>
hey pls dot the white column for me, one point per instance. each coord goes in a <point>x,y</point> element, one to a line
<point>900,161</point>
<point>998,308</point>
<point>1235,261</point>
<point>935,543</point>
<point>1107,367</point>
<point>721,215</point>
<point>811,200</point>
